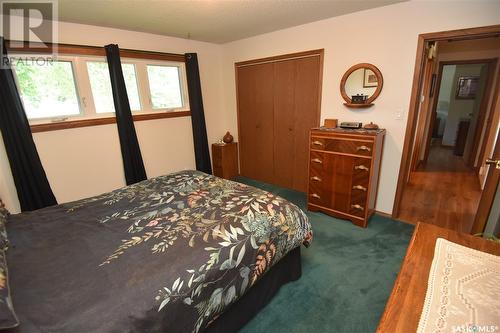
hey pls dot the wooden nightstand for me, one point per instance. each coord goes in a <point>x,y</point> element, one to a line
<point>225,160</point>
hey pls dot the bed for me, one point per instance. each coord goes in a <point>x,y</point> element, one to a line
<point>185,252</point>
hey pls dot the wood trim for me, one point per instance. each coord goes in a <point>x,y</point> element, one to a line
<point>289,56</point>
<point>87,50</point>
<point>482,124</point>
<point>410,125</point>
<point>492,179</point>
<point>161,115</point>
<point>479,32</point>
<point>389,216</point>
<point>463,34</point>
<point>358,106</point>
<point>489,122</point>
<point>369,101</point>
<point>430,114</point>
<point>36,128</point>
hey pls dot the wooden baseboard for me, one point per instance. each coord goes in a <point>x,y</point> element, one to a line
<point>397,219</point>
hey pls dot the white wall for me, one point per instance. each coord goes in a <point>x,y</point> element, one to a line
<point>443,105</point>
<point>459,109</point>
<point>389,41</point>
<point>87,161</point>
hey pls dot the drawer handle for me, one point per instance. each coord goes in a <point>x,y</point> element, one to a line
<point>316,179</point>
<point>314,195</point>
<point>317,160</point>
<point>357,207</point>
<point>317,143</point>
<point>361,167</point>
<point>363,148</point>
<point>359,187</point>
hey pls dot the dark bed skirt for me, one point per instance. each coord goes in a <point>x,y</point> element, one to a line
<point>233,319</point>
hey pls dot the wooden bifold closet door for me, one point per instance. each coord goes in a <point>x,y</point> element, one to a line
<point>278,103</point>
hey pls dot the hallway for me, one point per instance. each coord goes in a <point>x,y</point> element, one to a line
<point>444,192</point>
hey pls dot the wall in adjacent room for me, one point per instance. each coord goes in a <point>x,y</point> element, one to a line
<point>87,161</point>
<point>459,109</point>
<point>443,105</point>
<point>487,48</point>
<point>385,37</point>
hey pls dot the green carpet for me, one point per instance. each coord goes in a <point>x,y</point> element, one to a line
<point>347,275</point>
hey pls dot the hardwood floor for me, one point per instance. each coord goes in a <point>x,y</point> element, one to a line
<point>444,192</point>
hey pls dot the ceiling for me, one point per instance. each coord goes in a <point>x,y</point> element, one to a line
<point>216,21</point>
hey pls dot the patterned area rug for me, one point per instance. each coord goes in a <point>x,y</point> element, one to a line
<point>463,293</point>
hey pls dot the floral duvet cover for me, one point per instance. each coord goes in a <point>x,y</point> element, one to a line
<point>167,254</point>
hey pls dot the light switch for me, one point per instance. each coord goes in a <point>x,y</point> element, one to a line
<point>399,114</point>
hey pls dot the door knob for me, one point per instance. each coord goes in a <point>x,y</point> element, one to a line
<point>496,163</point>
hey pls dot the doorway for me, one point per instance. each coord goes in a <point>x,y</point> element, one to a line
<point>453,120</point>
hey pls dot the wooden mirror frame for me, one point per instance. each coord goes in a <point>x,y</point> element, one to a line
<point>369,101</point>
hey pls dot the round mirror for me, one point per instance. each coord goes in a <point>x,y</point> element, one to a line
<point>361,85</point>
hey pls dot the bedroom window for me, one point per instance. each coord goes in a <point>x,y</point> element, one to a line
<point>100,84</point>
<point>165,87</point>
<point>47,90</point>
<point>78,88</point>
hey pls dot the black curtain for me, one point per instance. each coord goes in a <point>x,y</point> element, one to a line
<point>201,150</point>
<point>33,189</point>
<point>131,152</point>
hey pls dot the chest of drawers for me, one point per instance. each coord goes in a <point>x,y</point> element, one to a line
<point>344,167</point>
<point>225,160</point>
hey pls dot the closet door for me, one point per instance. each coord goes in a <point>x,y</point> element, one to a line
<point>306,115</point>
<point>284,122</point>
<point>255,118</point>
<point>278,103</point>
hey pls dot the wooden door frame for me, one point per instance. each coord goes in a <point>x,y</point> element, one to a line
<point>418,75</point>
<point>490,74</point>
<point>492,178</point>
<point>423,111</point>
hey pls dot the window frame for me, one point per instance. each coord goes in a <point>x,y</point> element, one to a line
<point>84,68</point>
<point>77,91</point>
<point>182,84</point>
<point>79,53</point>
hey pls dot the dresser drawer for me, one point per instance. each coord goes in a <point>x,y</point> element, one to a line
<point>361,171</point>
<point>317,162</point>
<point>316,197</point>
<point>317,175</point>
<point>358,208</point>
<point>363,148</point>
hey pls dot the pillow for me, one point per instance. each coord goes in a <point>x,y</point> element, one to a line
<point>4,241</point>
<point>8,318</point>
